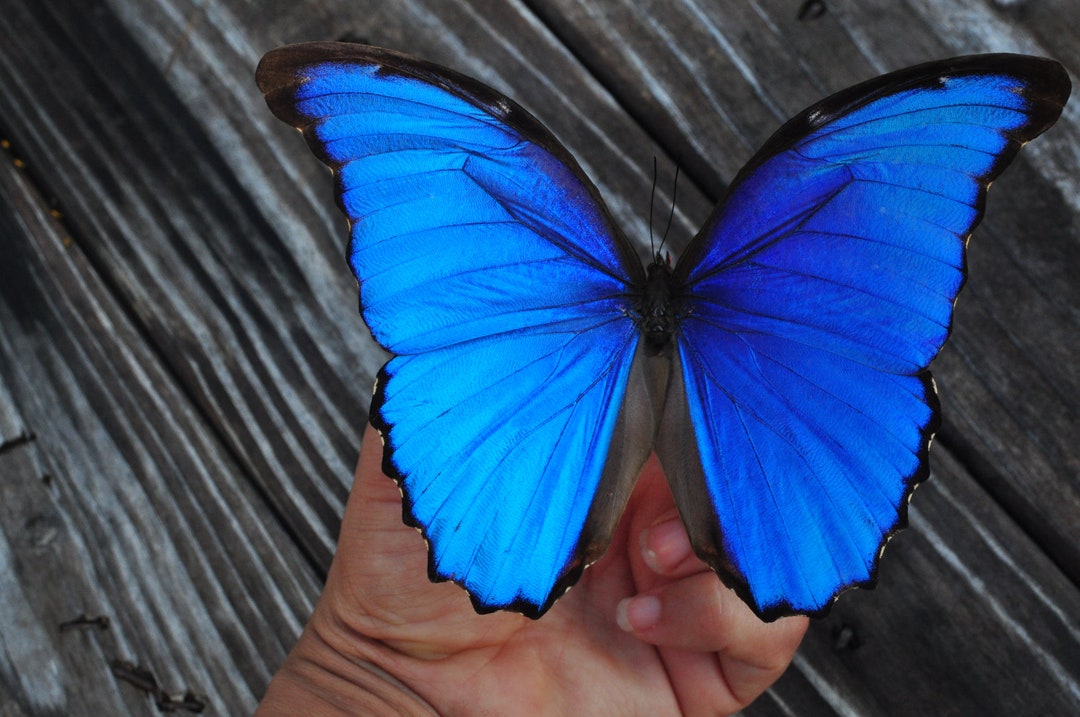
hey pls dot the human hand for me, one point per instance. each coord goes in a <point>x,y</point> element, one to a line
<point>648,630</point>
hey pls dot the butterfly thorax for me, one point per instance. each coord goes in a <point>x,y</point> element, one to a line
<point>657,304</point>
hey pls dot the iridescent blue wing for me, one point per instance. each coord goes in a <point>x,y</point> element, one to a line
<point>490,268</point>
<point>811,304</point>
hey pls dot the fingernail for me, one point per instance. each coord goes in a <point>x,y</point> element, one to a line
<point>638,614</point>
<point>665,545</point>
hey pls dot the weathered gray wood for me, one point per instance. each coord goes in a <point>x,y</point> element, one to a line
<point>122,505</point>
<point>214,228</point>
<point>984,625</point>
<point>239,313</point>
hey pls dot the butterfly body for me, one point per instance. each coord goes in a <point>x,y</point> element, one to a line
<point>778,369</point>
<point>659,308</point>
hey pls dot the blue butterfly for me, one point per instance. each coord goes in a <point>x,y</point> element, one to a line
<point>778,369</point>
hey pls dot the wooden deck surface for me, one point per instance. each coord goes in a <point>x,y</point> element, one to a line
<point>184,377</point>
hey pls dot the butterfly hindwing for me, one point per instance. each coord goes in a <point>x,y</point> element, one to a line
<point>489,267</point>
<point>814,299</point>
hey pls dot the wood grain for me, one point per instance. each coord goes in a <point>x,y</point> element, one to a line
<point>123,504</point>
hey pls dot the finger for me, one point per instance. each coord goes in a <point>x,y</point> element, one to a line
<point>369,475</point>
<point>749,669</point>
<point>380,561</point>
<point>699,614</point>
<point>373,517</point>
<point>374,504</point>
<point>652,533</point>
<point>665,548</point>
<point>380,571</point>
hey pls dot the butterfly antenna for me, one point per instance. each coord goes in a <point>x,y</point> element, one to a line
<point>671,214</point>
<point>652,201</point>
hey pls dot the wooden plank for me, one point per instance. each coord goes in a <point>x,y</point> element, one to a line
<point>237,308</point>
<point>122,508</point>
<point>980,606</point>
<point>13,431</point>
